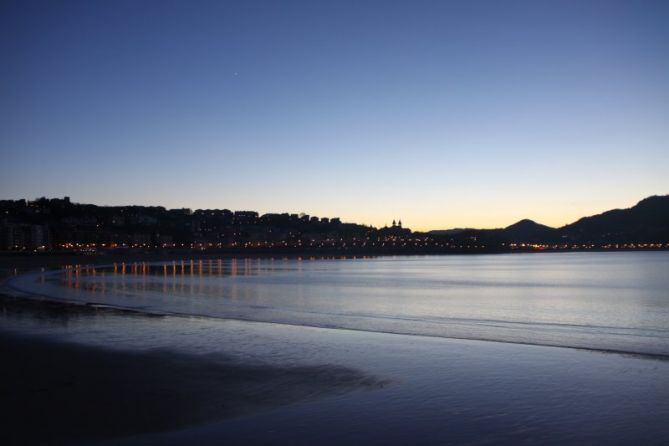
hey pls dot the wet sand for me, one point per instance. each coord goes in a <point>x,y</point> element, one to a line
<point>81,374</point>
<point>64,393</point>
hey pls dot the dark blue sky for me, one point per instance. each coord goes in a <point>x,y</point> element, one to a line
<point>469,113</point>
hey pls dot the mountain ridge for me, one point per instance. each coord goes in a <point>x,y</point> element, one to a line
<point>646,221</point>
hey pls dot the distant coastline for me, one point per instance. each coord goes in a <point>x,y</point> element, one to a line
<point>60,226</point>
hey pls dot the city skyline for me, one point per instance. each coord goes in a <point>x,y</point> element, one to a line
<point>441,114</point>
<point>58,224</point>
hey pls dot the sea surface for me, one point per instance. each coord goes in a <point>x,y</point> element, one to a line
<point>602,301</point>
<point>564,348</point>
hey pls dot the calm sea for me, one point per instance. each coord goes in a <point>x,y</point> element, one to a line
<point>603,301</point>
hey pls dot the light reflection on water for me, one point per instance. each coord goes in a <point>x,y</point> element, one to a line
<point>608,301</point>
<point>444,391</point>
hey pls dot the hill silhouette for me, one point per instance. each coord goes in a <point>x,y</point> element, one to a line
<point>529,231</point>
<point>646,222</point>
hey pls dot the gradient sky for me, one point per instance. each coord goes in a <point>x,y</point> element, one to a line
<point>444,114</point>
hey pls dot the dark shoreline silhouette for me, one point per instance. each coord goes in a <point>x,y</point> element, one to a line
<point>60,226</point>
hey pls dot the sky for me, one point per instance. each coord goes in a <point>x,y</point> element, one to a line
<point>442,114</point>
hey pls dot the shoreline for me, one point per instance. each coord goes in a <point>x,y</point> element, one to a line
<point>93,393</point>
<point>16,297</point>
<point>234,382</point>
<point>79,393</point>
<point>454,389</point>
<point>79,373</point>
<point>30,302</point>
